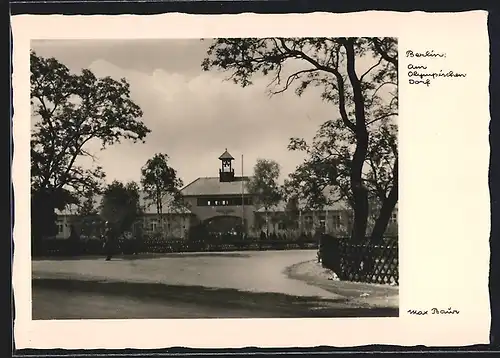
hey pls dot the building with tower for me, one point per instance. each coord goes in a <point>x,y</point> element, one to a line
<point>221,202</point>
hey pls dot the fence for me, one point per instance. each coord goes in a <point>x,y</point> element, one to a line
<point>361,262</point>
<point>155,244</point>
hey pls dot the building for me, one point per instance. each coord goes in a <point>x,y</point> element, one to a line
<point>222,202</point>
<point>174,222</point>
<point>335,219</point>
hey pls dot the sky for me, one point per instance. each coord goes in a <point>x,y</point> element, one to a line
<point>193,115</point>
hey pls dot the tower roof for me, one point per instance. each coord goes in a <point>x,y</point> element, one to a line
<point>226,155</point>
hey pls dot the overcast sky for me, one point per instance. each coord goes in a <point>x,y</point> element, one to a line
<point>193,115</point>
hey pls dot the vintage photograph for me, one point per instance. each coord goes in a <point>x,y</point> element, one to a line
<point>214,178</point>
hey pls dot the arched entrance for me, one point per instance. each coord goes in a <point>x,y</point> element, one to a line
<point>224,228</point>
<point>224,224</point>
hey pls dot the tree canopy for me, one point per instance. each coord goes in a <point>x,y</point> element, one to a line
<point>354,152</point>
<point>70,111</point>
<point>263,185</point>
<point>120,205</point>
<point>159,180</point>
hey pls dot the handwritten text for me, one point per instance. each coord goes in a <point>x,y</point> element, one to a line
<point>423,73</point>
<point>431,53</point>
<point>433,311</point>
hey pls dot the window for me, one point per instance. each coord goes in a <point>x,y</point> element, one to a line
<point>235,201</point>
<point>153,225</point>
<point>60,228</point>
<point>337,222</point>
<point>394,217</point>
<point>322,220</point>
<point>308,222</point>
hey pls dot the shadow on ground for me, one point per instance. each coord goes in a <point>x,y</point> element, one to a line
<point>73,299</point>
<point>142,256</point>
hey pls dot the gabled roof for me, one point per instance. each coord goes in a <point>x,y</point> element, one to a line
<point>226,155</point>
<point>213,186</point>
<point>148,206</point>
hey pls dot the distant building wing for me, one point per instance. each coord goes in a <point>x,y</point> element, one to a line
<point>147,205</point>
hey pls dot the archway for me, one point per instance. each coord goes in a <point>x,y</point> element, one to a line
<point>224,228</point>
<point>224,224</point>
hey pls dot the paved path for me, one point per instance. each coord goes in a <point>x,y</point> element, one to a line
<point>192,285</point>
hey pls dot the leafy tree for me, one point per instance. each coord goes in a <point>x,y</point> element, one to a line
<point>71,111</point>
<point>88,214</point>
<point>292,211</point>
<point>120,205</point>
<point>366,99</point>
<point>159,180</point>
<point>328,164</point>
<point>263,185</point>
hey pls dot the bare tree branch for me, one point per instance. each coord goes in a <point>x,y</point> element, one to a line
<point>370,69</point>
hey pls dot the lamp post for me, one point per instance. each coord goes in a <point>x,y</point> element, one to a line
<point>242,199</point>
<point>158,172</point>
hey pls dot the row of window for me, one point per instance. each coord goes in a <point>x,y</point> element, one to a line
<point>223,202</point>
<point>308,220</point>
<point>154,225</point>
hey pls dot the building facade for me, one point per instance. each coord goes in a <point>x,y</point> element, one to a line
<point>222,202</point>
<point>333,219</point>
<point>174,222</point>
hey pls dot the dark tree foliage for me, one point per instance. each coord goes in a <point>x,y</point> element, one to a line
<point>161,184</point>
<point>71,111</point>
<point>120,205</point>
<point>264,187</point>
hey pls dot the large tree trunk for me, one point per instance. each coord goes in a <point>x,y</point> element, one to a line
<point>382,221</point>
<point>360,193</point>
<point>360,221</point>
<point>386,211</point>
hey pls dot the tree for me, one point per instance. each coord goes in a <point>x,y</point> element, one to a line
<point>120,205</point>
<point>292,212</point>
<point>263,185</point>
<point>71,111</point>
<point>159,180</point>
<point>366,99</point>
<point>324,177</point>
<point>88,214</point>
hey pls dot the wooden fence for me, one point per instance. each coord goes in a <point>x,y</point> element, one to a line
<point>361,262</point>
